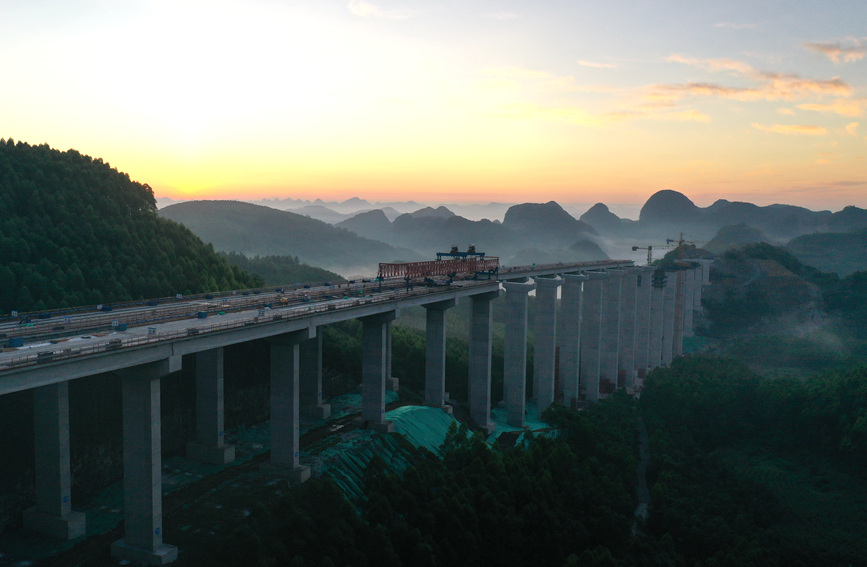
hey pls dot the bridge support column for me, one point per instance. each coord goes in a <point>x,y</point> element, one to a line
<point>53,514</point>
<point>679,313</point>
<point>310,367</point>
<point>286,406</point>
<point>391,383</point>
<point>209,446</point>
<point>699,279</point>
<point>435,354</point>
<point>481,327</point>
<point>515,351</point>
<point>688,301</point>
<point>374,366</point>
<point>668,319</point>
<point>610,334</point>
<point>626,350</point>
<point>642,320</point>
<point>545,349</point>
<point>570,336</point>
<point>591,329</point>
<point>705,272</point>
<point>142,465</point>
<point>657,318</point>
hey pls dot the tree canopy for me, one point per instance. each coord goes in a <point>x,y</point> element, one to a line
<point>76,231</point>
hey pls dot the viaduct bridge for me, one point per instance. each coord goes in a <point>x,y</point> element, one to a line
<point>616,322</point>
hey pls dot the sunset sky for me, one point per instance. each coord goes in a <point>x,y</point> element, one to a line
<point>447,101</point>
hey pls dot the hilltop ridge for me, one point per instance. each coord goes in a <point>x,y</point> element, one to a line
<point>76,231</point>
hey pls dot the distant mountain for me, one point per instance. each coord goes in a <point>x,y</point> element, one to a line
<point>848,220</point>
<point>371,224</point>
<point>546,225</point>
<point>587,251</point>
<point>320,212</point>
<point>166,201</point>
<point>582,251</point>
<point>778,221</point>
<point>602,219</point>
<point>842,253</point>
<point>439,212</point>
<point>257,230</point>
<point>669,207</point>
<point>543,226</point>
<point>733,236</point>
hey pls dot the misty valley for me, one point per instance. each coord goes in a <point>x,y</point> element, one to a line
<point>748,447</point>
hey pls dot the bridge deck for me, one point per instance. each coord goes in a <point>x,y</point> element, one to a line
<point>231,318</point>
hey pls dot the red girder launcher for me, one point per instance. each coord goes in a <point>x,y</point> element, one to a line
<point>448,264</point>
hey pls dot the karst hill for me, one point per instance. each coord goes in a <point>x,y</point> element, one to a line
<point>76,231</point>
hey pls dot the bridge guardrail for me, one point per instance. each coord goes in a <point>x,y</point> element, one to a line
<point>272,315</point>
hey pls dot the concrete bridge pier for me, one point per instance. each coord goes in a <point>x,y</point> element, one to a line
<point>481,332</point>
<point>591,332</point>
<point>668,319</point>
<point>609,349</point>
<point>659,284</point>
<point>515,351</point>
<point>142,465</point>
<point>705,272</point>
<point>700,270</point>
<point>391,383</point>
<point>210,446</point>
<point>374,368</point>
<point>545,349</point>
<point>435,354</point>
<point>642,320</point>
<point>310,368</point>
<point>53,514</point>
<point>570,334</point>
<point>285,402</point>
<point>679,313</point>
<point>688,301</point>
<point>628,305</point>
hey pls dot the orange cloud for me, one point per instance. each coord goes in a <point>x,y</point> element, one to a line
<point>852,129</point>
<point>794,129</point>
<point>841,106</point>
<point>837,52</point>
<point>771,86</point>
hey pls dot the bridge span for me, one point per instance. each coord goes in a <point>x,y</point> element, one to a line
<point>615,323</point>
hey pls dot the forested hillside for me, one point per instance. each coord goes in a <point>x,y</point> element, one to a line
<point>75,231</point>
<point>756,471</point>
<point>281,270</point>
<point>257,230</point>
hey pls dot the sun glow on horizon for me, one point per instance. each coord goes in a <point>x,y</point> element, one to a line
<point>234,99</point>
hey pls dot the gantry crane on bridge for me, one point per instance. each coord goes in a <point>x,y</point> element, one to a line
<point>448,264</point>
